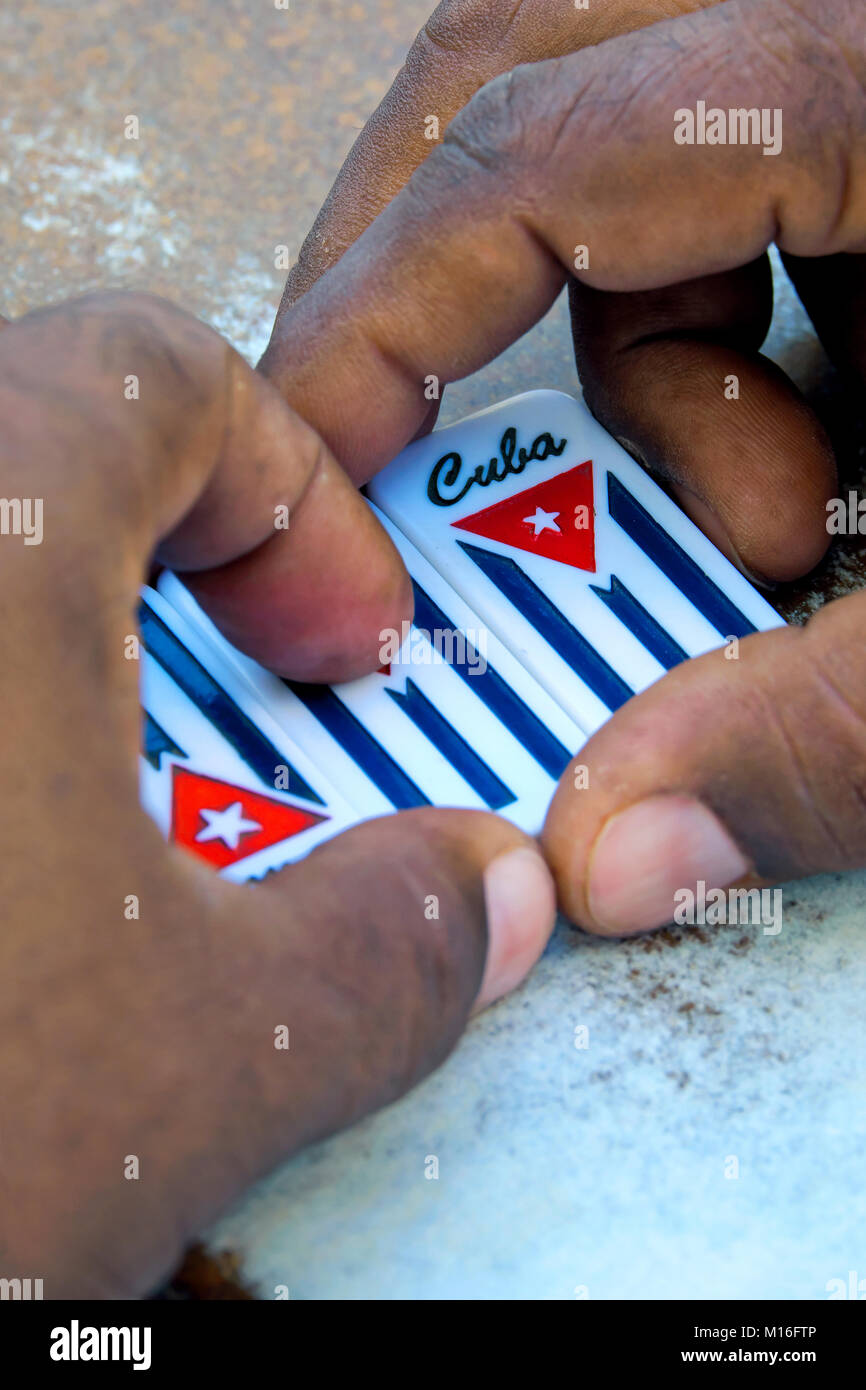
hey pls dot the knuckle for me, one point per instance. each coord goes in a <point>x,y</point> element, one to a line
<point>134,314</point>
<point>495,130</point>
<point>93,332</point>
<point>149,325</point>
<point>528,123</point>
<point>124,304</point>
<point>460,25</point>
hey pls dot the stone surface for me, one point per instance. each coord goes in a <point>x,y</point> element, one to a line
<point>604,1168</point>
<point>560,1169</point>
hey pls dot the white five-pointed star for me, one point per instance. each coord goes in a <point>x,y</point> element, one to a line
<point>543,521</point>
<point>228,825</point>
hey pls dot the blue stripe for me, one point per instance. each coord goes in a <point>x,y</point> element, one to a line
<point>155,741</point>
<point>453,746</point>
<point>623,604</point>
<point>216,705</point>
<point>360,744</point>
<point>670,557</point>
<point>499,698</point>
<point>550,623</point>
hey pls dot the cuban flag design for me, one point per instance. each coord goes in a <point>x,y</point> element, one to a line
<point>553,580</point>
<point>220,779</point>
<point>567,550</point>
<point>450,718</point>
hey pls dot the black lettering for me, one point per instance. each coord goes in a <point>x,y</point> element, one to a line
<point>507,446</point>
<point>448,468</point>
<point>446,471</point>
<point>545,442</point>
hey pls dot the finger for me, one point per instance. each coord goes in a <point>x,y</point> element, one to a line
<point>730,772</point>
<point>245,1023</point>
<point>676,375</point>
<point>161,426</point>
<point>400,927</point>
<point>464,44</point>
<point>558,155</point>
<point>160,1043</point>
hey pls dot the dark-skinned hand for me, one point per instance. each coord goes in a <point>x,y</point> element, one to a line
<point>154,1037</point>
<point>731,772</point>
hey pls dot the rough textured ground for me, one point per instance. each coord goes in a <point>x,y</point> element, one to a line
<point>562,1172</point>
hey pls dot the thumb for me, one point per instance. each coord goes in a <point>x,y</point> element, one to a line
<point>744,767</point>
<point>255,1019</point>
<point>376,949</point>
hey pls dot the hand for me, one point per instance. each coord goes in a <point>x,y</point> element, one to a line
<point>154,1037</point>
<point>726,771</point>
<point>463,45</point>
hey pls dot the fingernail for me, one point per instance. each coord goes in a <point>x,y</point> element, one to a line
<point>521,909</point>
<point>647,854</point>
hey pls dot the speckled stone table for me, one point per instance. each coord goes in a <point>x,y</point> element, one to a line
<point>565,1173</point>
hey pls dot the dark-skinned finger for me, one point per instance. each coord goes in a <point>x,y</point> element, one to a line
<point>155,1034</point>
<point>239,1023</point>
<point>676,375</point>
<point>464,44</point>
<point>560,154</point>
<point>246,500</point>
<point>727,771</point>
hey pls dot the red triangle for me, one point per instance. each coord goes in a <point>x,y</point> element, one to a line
<point>567,502</point>
<point>193,794</point>
<point>384,670</point>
